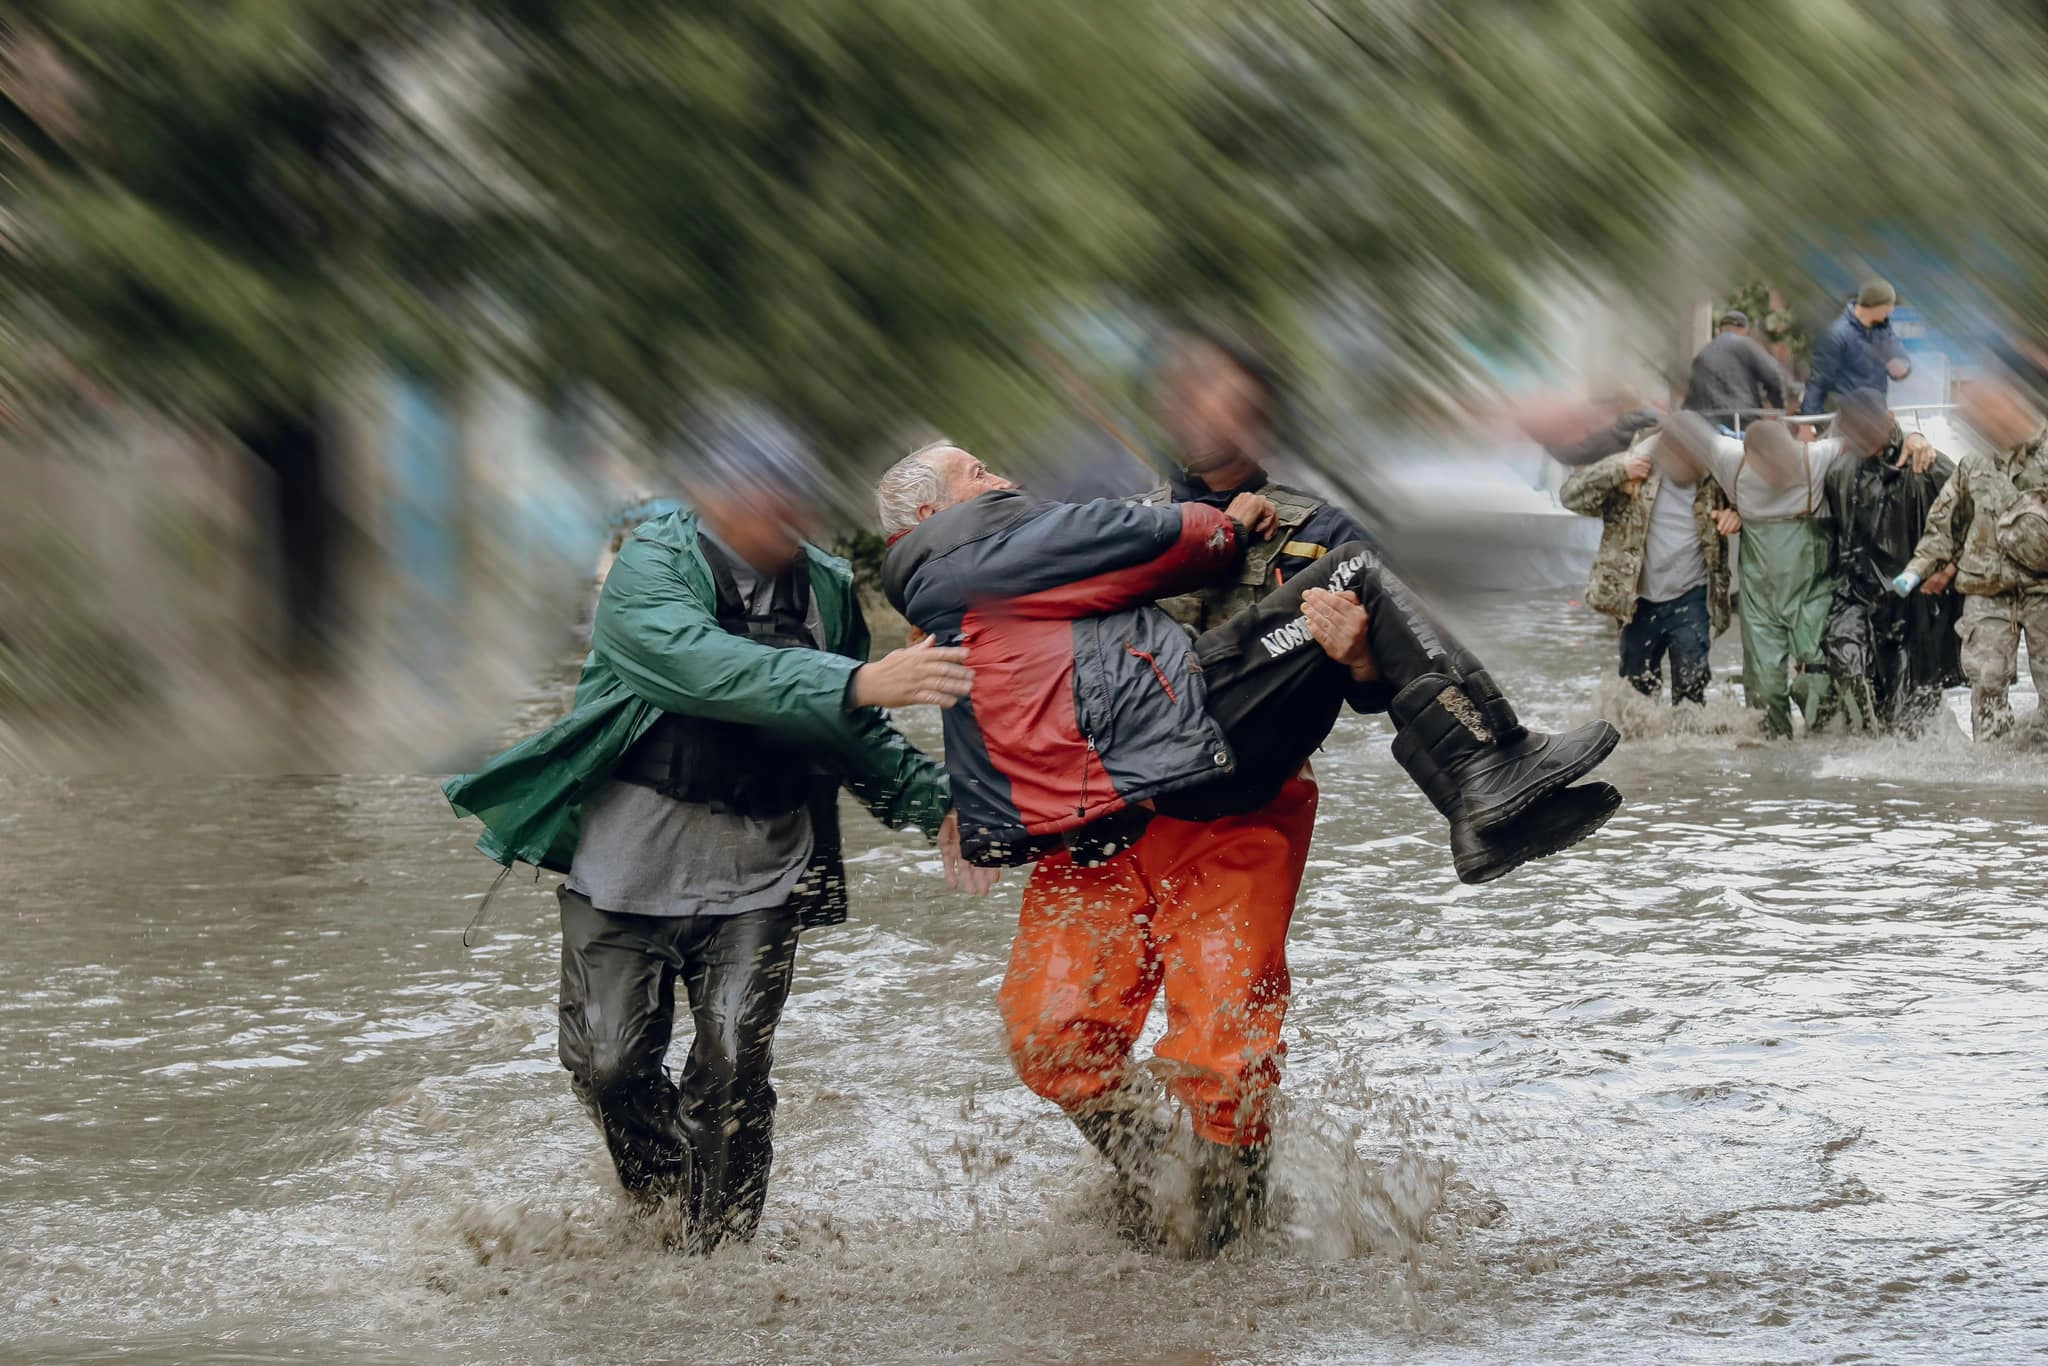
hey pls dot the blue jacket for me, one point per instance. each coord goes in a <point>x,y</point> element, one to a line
<point>1848,357</point>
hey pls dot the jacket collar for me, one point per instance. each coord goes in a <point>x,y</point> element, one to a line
<point>2008,458</point>
<point>1849,312</point>
<point>979,517</point>
<point>1188,488</point>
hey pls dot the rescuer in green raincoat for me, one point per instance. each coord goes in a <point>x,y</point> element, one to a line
<point>691,796</point>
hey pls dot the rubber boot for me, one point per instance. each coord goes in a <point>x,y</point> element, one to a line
<point>1991,715</point>
<point>1230,1194</point>
<point>1859,703</point>
<point>1132,1142</point>
<point>1814,689</point>
<point>1499,714</point>
<point>1448,747</point>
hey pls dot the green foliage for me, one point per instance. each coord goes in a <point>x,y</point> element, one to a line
<point>1771,325</point>
<point>210,215</point>
<point>862,209</point>
<point>855,209</point>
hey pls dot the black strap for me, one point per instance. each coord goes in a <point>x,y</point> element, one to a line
<point>789,606</point>
<point>694,759</point>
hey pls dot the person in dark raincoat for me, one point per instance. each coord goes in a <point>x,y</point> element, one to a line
<point>1890,656</point>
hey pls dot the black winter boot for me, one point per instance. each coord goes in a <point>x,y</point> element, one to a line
<point>1493,704</point>
<point>1457,758</point>
<point>1554,826</point>
<point>1447,746</point>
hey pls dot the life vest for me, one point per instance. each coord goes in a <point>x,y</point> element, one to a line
<point>1213,605</point>
<point>729,766</point>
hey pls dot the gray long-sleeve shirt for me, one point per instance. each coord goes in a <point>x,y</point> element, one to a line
<point>1733,373</point>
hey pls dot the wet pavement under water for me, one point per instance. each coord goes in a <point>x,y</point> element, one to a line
<point>1756,1075</point>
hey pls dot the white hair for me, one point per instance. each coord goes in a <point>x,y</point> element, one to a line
<point>908,485</point>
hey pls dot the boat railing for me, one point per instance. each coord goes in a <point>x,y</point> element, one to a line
<point>1919,411</point>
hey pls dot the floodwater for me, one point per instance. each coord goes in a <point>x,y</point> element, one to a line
<point>1757,1075</point>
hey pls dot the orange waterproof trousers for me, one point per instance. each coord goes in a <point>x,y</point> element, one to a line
<point>1199,908</point>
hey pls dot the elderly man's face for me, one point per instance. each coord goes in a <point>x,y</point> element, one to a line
<point>965,477</point>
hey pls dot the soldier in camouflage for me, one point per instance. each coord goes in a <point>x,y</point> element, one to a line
<point>2003,600</point>
<point>1219,403</point>
<point>1662,570</point>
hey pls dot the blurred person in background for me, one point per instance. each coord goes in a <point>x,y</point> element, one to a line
<point>1777,484</point>
<point>1734,374</point>
<point>1984,534</point>
<point>1662,570</point>
<point>691,796</point>
<point>1890,656</point>
<point>1858,351</point>
<point>1222,406</point>
<point>1153,775</point>
<point>1774,484</point>
<point>1577,435</point>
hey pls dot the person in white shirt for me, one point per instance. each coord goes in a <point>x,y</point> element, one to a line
<point>1778,485</point>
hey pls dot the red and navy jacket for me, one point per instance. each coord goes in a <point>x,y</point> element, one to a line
<point>1087,699</point>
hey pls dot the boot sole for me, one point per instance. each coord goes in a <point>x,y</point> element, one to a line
<point>1516,807</point>
<point>1543,842</point>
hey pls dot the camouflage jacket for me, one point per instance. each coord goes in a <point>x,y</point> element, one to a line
<point>1601,490</point>
<point>1962,526</point>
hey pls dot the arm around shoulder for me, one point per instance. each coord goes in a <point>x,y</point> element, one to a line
<point>1937,545</point>
<point>664,642</point>
<point>1588,489</point>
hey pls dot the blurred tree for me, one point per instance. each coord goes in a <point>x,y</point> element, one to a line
<point>1449,161</point>
<point>858,209</point>
<point>863,209</point>
<point>211,213</point>
<point>1774,327</point>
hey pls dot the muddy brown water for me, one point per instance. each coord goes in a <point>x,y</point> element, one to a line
<point>1757,1075</point>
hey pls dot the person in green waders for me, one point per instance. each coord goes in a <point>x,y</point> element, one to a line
<point>1778,484</point>
<point>691,798</point>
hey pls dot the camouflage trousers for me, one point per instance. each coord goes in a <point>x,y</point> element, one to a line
<point>1991,629</point>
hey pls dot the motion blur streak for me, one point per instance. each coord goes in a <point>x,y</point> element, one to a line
<point>323,317</point>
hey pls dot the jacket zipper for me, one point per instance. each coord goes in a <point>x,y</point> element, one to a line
<point>1086,759</point>
<point>1081,725</point>
<point>1157,672</point>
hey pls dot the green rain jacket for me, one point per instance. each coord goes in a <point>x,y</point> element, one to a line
<point>656,646</point>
